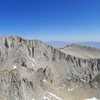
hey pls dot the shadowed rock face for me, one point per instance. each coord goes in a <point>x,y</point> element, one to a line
<point>31,70</point>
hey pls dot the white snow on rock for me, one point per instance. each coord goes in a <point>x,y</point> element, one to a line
<point>58,98</point>
<point>33,99</point>
<point>33,64</point>
<point>46,98</point>
<point>44,80</point>
<point>14,67</point>
<point>91,57</point>
<point>71,89</point>
<point>92,99</point>
<point>32,59</point>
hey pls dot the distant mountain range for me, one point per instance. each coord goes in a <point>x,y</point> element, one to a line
<point>61,44</point>
<point>91,44</point>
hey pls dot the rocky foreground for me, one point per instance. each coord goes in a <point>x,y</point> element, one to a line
<point>32,70</point>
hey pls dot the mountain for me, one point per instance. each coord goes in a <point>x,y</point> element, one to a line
<point>62,44</point>
<point>33,70</point>
<point>81,51</point>
<point>57,44</point>
<point>91,44</point>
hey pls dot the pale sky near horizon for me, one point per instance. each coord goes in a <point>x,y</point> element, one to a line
<point>59,20</point>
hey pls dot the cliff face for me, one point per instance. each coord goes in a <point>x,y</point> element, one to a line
<point>32,70</point>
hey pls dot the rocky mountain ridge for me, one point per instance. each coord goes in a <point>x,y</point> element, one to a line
<point>32,70</point>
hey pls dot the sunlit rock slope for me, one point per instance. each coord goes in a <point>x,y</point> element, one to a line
<point>32,70</point>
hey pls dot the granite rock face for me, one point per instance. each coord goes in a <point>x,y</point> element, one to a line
<point>32,70</point>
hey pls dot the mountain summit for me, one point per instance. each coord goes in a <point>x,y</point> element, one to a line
<point>32,70</point>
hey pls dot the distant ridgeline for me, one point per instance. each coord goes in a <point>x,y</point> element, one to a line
<point>61,44</point>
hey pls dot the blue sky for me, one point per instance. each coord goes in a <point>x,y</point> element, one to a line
<point>63,20</point>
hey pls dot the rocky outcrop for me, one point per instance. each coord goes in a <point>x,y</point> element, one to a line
<point>30,69</point>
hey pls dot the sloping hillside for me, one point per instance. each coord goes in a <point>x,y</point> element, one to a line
<point>81,51</point>
<point>32,70</point>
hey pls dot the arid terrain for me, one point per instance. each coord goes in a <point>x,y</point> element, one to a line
<point>33,70</point>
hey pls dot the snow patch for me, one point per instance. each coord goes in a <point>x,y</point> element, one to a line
<point>91,57</point>
<point>44,80</point>
<point>58,98</point>
<point>71,89</point>
<point>95,86</point>
<point>14,67</point>
<point>46,98</point>
<point>33,64</point>
<point>33,99</point>
<point>92,99</point>
<point>32,59</point>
